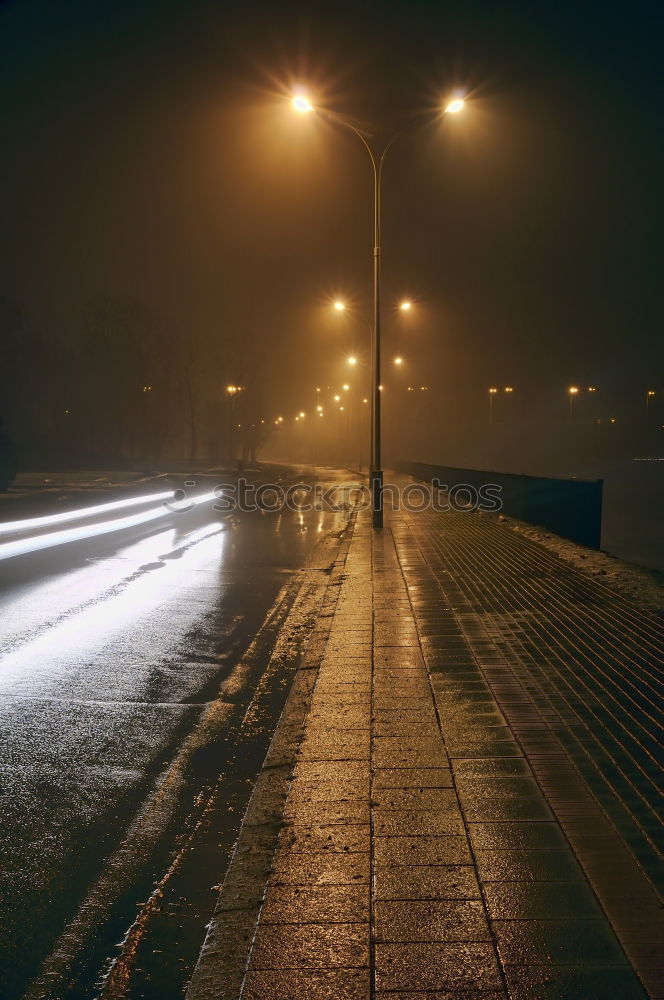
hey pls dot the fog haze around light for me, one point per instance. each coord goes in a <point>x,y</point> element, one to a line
<point>156,160</point>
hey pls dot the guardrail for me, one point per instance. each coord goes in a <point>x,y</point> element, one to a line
<point>571,508</point>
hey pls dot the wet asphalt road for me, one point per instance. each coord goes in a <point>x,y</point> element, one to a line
<point>110,650</point>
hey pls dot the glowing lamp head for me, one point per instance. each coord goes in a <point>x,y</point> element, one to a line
<point>352,361</point>
<point>454,106</point>
<point>492,391</point>
<point>405,305</point>
<point>339,306</point>
<point>398,361</point>
<point>302,414</point>
<point>573,389</point>
<point>302,104</point>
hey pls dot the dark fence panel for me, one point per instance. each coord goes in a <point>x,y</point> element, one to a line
<point>571,508</point>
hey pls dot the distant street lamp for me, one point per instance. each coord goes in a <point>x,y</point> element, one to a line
<point>231,394</point>
<point>649,395</point>
<point>492,393</point>
<point>573,393</point>
<point>303,105</point>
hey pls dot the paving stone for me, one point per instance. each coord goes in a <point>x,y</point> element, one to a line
<point>313,984</point>
<point>428,920</point>
<point>507,786</point>
<point>341,745</point>
<point>399,703</point>
<point>303,790</point>
<point>395,757</point>
<point>426,882</point>
<point>331,771</point>
<point>394,727</point>
<point>413,777</point>
<point>440,800</point>
<point>557,942</point>
<point>484,748</point>
<point>454,966</point>
<point>313,946</point>
<point>445,850</point>
<point>505,808</point>
<point>319,839</point>
<point>527,865</point>
<point>339,868</point>
<point>328,812</point>
<point>543,900</point>
<point>543,982</point>
<point>442,995</point>
<point>508,836</point>
<point>308,904</point>
<point>405,822</point>
<point>340,715</point>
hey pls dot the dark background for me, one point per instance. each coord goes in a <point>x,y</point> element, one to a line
<point>169,221</point>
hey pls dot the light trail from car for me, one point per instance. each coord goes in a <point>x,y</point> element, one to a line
<point>35,543</point>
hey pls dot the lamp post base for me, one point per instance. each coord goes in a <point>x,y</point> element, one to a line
<point>376,487</point>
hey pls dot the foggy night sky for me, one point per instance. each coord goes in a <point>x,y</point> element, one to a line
<point>149,150</point>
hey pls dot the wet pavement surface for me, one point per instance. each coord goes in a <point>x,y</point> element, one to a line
<point>130,685</point>
<point>467,806</point>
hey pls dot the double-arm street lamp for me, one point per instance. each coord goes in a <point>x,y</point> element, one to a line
<point>302,104</point>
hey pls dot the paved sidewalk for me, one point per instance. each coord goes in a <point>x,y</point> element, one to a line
<point>470,804</point>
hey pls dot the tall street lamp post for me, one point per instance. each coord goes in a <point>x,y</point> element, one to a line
<point>573,393</point>
<point>649,395</point>
<point>231,395</point>
<point>492,393</point>
<point>302,104</point>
